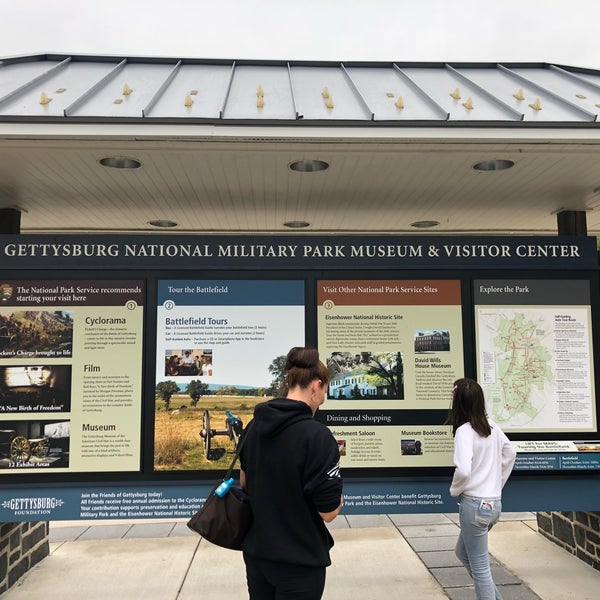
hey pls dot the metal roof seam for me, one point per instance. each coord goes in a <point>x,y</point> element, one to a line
<point>542,89</point>
<point>41,77</point>
<point>161,90</point>
<point>78,102</point>
<point>356,90</point>
<point>575,77</point>
<point>487,94</point>
<point>290,79</point>
<point>420,92</point>
<point>228,90</point>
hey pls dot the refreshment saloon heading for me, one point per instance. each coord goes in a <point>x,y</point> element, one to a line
<point>195,251</point>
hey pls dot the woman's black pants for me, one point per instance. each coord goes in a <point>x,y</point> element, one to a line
<point>271,580</point>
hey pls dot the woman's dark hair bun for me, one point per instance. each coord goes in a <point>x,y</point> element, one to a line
<point>304,358</point>
<point>302,366</point>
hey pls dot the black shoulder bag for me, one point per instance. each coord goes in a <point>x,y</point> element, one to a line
<point>224,521</point>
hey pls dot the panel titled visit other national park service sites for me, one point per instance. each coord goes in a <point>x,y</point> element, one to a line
<point>389,343</point>
<point>70,375</point>
<point>391,346</point>
<point>221,348</point>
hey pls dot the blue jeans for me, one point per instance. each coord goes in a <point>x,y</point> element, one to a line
<point>477,517</point>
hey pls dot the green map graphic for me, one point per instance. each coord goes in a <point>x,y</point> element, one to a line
<point>523,365</point>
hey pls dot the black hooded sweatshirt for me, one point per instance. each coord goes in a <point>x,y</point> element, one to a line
<point>291,464</point>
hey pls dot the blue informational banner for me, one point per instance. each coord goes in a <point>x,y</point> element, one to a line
<point>110,502</point>
<point>411,496</point>
<point>558,462</point>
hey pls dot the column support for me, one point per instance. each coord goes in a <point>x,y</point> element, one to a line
<point>571,222</point>
<point>10,220</point>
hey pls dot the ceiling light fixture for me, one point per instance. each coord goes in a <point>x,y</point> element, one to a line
<point>494,165</point>
<point>120,162</point>
<point>424,224</point>
<point>162,223</point>
<point>296,224</point>
<point>309,166</point>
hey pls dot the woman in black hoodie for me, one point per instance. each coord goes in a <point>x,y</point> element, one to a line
<point>290,469</point>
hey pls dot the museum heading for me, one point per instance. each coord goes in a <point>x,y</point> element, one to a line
<point>292,252</point>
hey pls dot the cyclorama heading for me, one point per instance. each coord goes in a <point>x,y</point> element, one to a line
<point>295,250</point>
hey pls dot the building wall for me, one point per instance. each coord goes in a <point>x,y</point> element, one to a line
<point>577,532</point>
<point>22,545</point>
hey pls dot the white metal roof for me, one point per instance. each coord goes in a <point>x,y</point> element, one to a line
<point>87,87</point>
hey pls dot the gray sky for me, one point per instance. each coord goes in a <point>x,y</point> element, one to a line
<point>558,31</point>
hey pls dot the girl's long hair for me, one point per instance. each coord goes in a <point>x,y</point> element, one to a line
<point>468,406</point>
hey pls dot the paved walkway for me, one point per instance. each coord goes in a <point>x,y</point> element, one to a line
<point>375,557</point>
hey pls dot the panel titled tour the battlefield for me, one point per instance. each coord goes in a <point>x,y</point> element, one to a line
<point>221,348</point>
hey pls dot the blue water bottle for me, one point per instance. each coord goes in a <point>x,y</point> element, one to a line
<point>224,487</point>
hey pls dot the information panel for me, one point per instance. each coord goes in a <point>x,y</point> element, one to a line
<point>221,348</point>
<point>391,346</point>
<point>534,349</point>
<point>70,375</point>
<point>535,364</point>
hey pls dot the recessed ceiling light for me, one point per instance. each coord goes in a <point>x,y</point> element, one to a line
<point>424,224</point>
<point>494,165</point>
<point>309,166</point>
<point>296,224</point>
<point>162,223</point>
<point>120,162</point>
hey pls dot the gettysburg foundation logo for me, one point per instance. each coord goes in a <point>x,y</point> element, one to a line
<point>32,506</point>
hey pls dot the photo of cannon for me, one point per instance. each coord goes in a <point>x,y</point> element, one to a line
<point>20,449</point>
<point>233,429</point>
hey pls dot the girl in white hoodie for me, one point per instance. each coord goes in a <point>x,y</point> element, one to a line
<point>484,458</point>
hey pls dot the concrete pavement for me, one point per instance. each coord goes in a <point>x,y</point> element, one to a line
<point>375,556</point>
